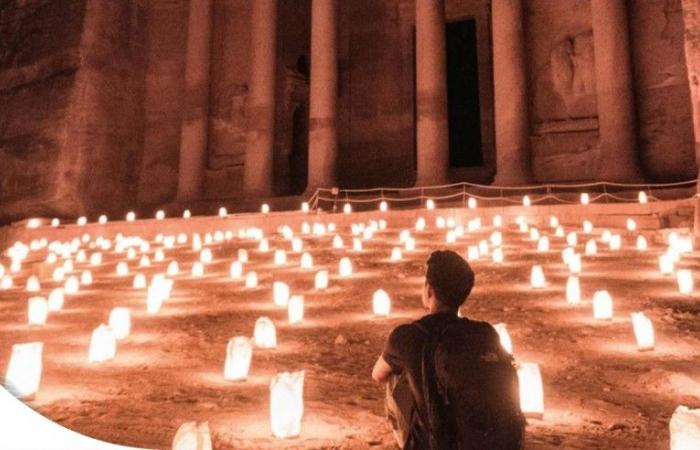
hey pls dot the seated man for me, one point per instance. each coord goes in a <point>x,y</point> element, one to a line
<point>450,384</point>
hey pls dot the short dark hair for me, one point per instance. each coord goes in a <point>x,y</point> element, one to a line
<point>450,277</point>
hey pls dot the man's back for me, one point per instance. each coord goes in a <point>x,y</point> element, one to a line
<point>463,383</point>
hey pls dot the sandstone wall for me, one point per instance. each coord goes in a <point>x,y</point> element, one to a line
<point>70,122</point>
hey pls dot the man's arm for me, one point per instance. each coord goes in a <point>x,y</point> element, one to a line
<point>381,370</point>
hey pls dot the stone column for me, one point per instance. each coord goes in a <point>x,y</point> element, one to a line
<point>513,158</point>
<point>691,19</point>
<point>258,169</point>
<point>432,138</point>
<point>323,92</point>
<point>617,158</point>
<point>193,137</point>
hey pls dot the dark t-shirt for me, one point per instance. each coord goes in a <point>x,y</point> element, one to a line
<point>403,352</point>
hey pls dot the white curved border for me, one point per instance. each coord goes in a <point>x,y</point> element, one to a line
<point>22,428</point>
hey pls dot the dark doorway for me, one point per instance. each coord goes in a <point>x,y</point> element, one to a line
<point>463,95</point>
<point>299,156</point>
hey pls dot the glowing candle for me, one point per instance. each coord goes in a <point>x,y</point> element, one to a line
<point>685,428</point>
<point>280,257</point>
<point>304,207</point>
<point>223,212</point>
<point>543,244</point>
<point>236,270</point>
<point>575,263</point>
<point>572,239</point>
<point>526,201</point>
<point>295,309</point>
<point>472,253</point>
<point>420,224</point>
<point>591,247</point>
<point>605,237</point>
<point>33,284</point>
<point>297,245</point>
<point>602,305</point>
<point>642,243</point>
<point>23,374</point>
<point>615,242</point>
<point>154,299</point>
<point>58,274</point>
<point>321,280</point>
<point>86,278</point>
<point>264,245</point>
<point>82,220</point>
<point>307,261</point>
<point>242,255</point>
<point>280,293</point>
<point>631,225</point>
<point>471,203</point>
<point>197,269</point>
<point>430,204</point>
<point>381,303</point>
<point>265,208</point>
<point>239,352</point>
<point>573,290</point>
<point>643,331</point>
<point>534,234</point>
<point>192,436</point>
<point>145,261</point>
<point>483,247</point>
<point>497,255</point>
<point>265,335</point>
<point>504,337</point>
<point>122,268</point>
<point>205,256</point>
<point>666,264</point>
<point>587,226</point>
<point>396,254</point>
<point>497,221</point>
<point>531,392</point>
<point>159,255</point>
<point>410,244</point>
<point>251,280</point>
<point>55,222</point>
<point>566,255</point>
<point>71,286</point>
<point>55,302</point>
<point>684,277</point>
<point>642,197</point>
<point>131,253</point>
<point>103,344</point>
<point>585,198</point>
<point>450,237</point>
<point>559,232</point>
<point>173,269</point>
<point>537,279</point>
<point>383,206</point>
<point>523,227</point>
<point>345,267</point>
<point>6,282</point>
<point>160,214</point>
<point>120,322</point>
<point>37,310</point>
<point>286,404</point>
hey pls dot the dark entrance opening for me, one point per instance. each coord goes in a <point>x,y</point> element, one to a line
<point>463,113</point>
<point>299,155</point>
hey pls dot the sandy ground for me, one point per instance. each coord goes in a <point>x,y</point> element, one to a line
<point>600,392</point>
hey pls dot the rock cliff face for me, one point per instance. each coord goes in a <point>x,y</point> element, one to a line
<point>70,120</point>
<point>91,97</point>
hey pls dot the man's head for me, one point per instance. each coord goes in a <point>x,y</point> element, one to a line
<point>448,281</point>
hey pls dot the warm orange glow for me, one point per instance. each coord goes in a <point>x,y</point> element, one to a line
<point>286,404</point>
<point>251,280</point>
<point>265,335</point>
<point>321,280</point>
<point>504,337</point>
<point>643,331</point>
<point>103,344</point>
<point>684,278</point>
<point>537,279</point>
<point>573,290</point>
<point>23,374</point>
<point>239,352</point>
<point>37,310</point>
<point>296,309</point>
<point>381,303</point>
<point>531,392</point>
<point>120,322</point>
<point>345,267</point>
<point>602,305</point>
<point>280,293</point>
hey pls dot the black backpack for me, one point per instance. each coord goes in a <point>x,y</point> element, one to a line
<point>470,390</point>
